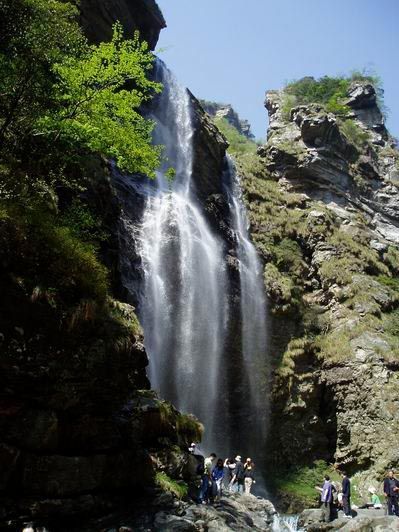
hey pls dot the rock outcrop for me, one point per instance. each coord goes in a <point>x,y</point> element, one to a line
<point>226,111</point>
<point>323,206</point>
<point>165,513</point>
<point>98,16</point>
<point>362,521</point>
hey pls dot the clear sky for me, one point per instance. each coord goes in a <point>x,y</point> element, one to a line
<point>232,51</point>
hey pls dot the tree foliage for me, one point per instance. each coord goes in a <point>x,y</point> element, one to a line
<point>63,104</point>
<point>328,90</point>
<point>95,109</point>
<point>61,98</point>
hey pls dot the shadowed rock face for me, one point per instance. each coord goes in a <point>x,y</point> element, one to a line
<point>97,17</point>
<point>79,428</point>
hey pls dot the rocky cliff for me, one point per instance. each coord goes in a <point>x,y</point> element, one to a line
<point>80,431</point>
<point>323,205</point>
<point>226,111</point>
<point>97,17</point>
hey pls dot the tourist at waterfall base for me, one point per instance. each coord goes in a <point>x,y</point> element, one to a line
<point>249,475</point>
<point>206,479</point>
<point>391,492</point>
<point>327,499</point>
<point>217,480</point>
<point>229,466</point>
<point>346,495</point>
<point>237,482</point>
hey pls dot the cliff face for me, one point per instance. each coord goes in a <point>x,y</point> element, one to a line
<point>80,431</point>
<point>97,17</point>
<point>226,111</point>
<point>323,205</point>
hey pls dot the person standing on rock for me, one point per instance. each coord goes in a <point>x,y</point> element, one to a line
<point>249,475</point>
<point>391,492</point>
<point>327,499</point>
<point>238,476</point>
<point>346,495</point>
<point>206,485</point>
<point>217,478</point>
<point>229,466</point>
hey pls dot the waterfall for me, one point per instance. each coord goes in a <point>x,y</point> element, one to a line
<point>286,523</point>
<point>253,311</point>
<point>185,301</point>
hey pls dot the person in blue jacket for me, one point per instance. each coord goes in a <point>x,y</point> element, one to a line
<point>217,477</point>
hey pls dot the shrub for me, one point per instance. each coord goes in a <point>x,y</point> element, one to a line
<point>47,256</point>
<point>354,133</point>
<point>179,489</point>
<point>327,90</point>
<point>391,258</point>
<point>83,223</point>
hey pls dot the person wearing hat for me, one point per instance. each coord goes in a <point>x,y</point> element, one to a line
<point>391,492</point>
<point>238,476</point>
<point>375,500</point>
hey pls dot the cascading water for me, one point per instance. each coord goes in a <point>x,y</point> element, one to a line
<point>253,312</point>
<point>286,523</point>
<point>185,304</point>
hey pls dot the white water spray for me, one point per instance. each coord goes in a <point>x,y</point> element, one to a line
<point>185,302</point>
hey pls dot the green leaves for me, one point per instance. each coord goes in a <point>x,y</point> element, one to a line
<point>98,96</point>
<point>62,99</point>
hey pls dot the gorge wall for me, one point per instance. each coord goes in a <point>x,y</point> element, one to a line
<point>323,203</point>
<point>80,429</point>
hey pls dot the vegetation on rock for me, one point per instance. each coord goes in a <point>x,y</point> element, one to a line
<point>327,90</point>
<point>178,488</point>
<point>238,144</point>
<point>330,278</point>
<point>64,103</point>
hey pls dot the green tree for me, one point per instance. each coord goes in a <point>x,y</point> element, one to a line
<point>96,109</point>
<point>62,99</point>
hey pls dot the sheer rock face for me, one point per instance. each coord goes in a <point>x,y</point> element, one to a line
<point>336,379</point>
<point>318,160</point>
<point>97,17</point>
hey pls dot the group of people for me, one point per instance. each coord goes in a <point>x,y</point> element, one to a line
<point>335,497</point>
<point>217,474</point>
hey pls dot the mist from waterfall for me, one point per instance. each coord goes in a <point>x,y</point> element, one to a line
<point>185,300</point>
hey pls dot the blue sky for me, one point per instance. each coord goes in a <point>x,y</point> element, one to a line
<point>232,51</point>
